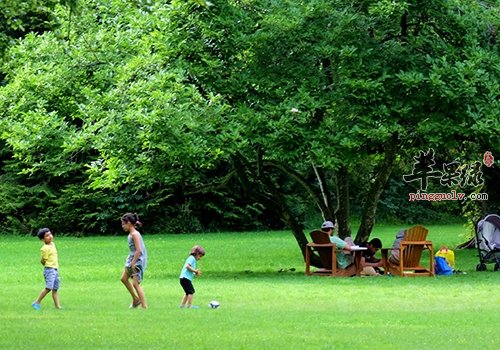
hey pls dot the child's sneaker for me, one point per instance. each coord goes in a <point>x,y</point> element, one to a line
<point>194,307</point>
<point>36,306</point>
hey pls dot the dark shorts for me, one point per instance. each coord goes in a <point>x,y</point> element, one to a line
<point>187,285</point>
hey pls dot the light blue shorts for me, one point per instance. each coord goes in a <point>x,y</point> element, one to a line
<point>51,278</point>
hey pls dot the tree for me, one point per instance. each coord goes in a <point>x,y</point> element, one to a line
<point>258,100</point>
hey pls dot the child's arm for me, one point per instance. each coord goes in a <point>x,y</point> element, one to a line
<point>193,270</point>
<point>44,256</point>
<point>137,244</point>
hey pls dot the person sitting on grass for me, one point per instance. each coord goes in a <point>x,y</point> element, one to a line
<point>51,265</point>
<point>371,265</point>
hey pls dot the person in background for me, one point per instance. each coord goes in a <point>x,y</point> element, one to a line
<point>394,257</point>
<point>344,258</point>
<point>371,265</point>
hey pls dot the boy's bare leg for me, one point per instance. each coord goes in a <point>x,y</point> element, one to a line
<point>42,295</point>
<point>55,297</point>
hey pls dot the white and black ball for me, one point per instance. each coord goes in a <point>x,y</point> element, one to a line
<point>214,304</point>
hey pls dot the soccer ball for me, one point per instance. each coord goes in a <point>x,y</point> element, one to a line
<point>214,304</point>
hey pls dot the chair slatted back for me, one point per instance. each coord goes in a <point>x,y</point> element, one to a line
<point>325,253</point>
<point>413,253</point>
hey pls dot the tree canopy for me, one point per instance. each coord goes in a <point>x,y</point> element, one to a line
<point>239,109</point>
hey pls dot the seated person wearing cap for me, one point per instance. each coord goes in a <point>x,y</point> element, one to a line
<point>344,258</point>
<point>371,265</point>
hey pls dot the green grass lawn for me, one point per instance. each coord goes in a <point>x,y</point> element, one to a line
<point>261,308</point>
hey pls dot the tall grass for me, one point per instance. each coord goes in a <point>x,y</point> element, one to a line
<point>266,300</point>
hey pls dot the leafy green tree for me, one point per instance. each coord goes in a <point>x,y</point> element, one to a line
<point>374,87</point>
<point>394,78</point>
<point>18,18</point>
<point>150,104</point>
<point>69,101</point>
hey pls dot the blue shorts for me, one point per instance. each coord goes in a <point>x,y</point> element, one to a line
<point>51,276</point>
<point>187,285</point>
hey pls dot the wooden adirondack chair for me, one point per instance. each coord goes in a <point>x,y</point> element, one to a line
<point>410,252</point>
<point>327,252</point>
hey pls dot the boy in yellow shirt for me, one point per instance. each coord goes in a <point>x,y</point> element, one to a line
<point>50,273</point>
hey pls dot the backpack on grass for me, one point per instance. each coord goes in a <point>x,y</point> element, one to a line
<point>448,254</point>
<point>441,266</point>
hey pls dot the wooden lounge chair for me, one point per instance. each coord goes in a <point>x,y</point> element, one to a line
<point>327,252</point>
<point>410,253</point>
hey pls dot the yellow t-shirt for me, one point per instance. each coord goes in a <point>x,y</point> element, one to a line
<point>49,254</point>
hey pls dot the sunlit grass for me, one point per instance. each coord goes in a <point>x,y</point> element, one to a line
<point>261,307</point>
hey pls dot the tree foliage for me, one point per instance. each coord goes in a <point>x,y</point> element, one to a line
<point>236,111</point>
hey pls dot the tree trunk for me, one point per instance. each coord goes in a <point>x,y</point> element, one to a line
<point>322,200</point>
<point>275,202</point>
<point>325,196</point>
<point>470,244</point>
<point>376,190</point>
<point>265,192</point>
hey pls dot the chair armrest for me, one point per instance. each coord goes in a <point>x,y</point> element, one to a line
<point>333,245</point>
<point>416,242</point>
<point>385,251</point>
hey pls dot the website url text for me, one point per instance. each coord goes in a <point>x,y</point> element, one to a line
<point>450,196</point>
